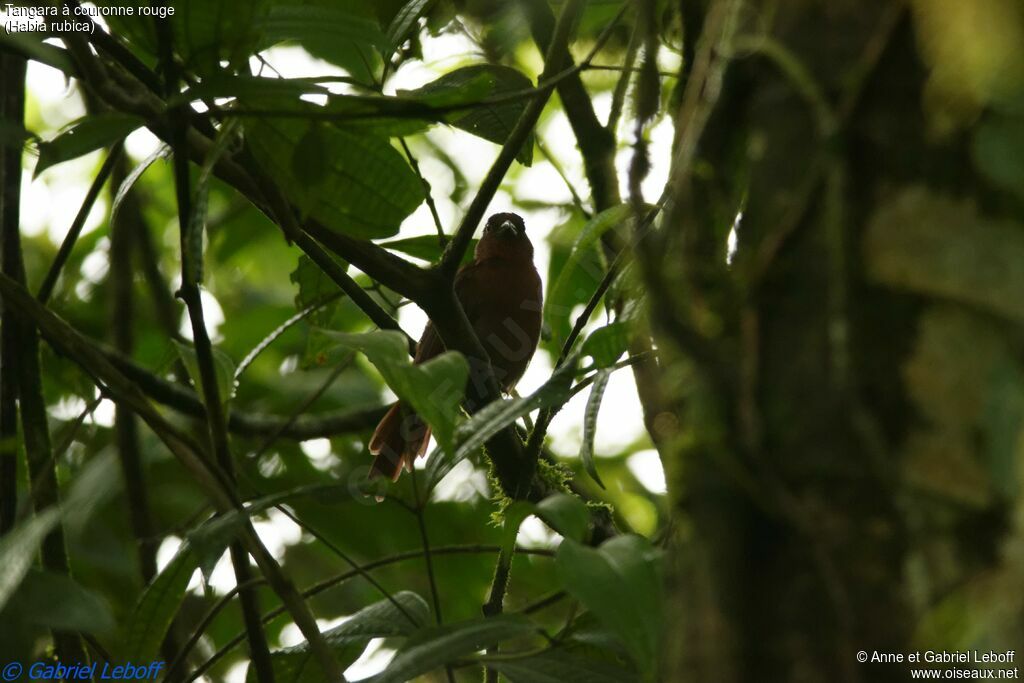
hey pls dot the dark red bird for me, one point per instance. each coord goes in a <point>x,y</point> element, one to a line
<point>501,295</point>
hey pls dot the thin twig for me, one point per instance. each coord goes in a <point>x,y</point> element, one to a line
<point>66,246</point>
<point>351,574</point>
<point>441,237</point>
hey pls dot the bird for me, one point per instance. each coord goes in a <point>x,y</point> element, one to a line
<point>502,296</point>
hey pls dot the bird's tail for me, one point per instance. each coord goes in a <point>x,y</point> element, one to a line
<point>399,439</point>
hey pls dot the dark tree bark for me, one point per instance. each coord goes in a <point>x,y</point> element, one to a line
<point>787,476</point>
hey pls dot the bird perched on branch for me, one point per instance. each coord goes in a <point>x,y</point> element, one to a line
<point>501,295</point>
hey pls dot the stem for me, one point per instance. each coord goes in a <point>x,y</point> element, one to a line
<point>21,350</point>
<point>259,650</point>
<point>557,54</point>
<point>442,238</point>
<point>435,594</point>
<point>52,275</point>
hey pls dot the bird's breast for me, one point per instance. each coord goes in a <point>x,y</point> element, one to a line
<point>504,301</point>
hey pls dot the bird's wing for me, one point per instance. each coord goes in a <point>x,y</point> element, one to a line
<point>430,344</point>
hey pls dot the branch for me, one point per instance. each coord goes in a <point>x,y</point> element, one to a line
<point>557,55</point>
<point>334,581</point>
<point>596,144</point>
<point>122,390</point>
<point>186,401</point>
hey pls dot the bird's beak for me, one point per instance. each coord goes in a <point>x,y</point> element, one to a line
<point>507,228</point>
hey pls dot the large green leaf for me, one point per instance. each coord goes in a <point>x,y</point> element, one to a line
<point>315,287</point>
<point>403,24</point>
<point>492,418</point>
<point>620,582</point>
<point>156,607</point>
<point>402,617</point>
<point>353,182</point>
<point>606,344</point>
<point>56,601</point>
<point>206,34</point>
<point>83,136</point>
<point>564,513</point>
<point>434,389</point>
<point>318,24</point>
<point>560,665</point>
<point>434,647</point>
<point>18,550</point>
<point>342,32</point>
<point>20,546</point>
<point>492,122</point>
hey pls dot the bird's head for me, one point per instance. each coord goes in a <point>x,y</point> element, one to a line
<point>504,237</point>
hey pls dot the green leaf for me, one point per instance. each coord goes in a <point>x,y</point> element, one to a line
<point>492,122</point>
<point>18,550</point>
<point>319,23</point>
<point>434,647</point>
<point>56,601</point>
<point>315,287</point>
<point>606,344</point>
<point>363,186</point>
<point>197,221</point>
<point>209,540</point>
<point>403,23</point>
<point>129,182</point>
<point>566,514</point>
<point>19,547</point>
<point>157,605</point>
<point>83,136</point>
<point>559,665</point>
<point>342,32</point>
<point>205,33</point>
<point>382,619</point>
<point>492,418</point>
<point>425,247</point>
<point>575,279</point>
<point>222,363</point>
<point>32,46</point>
<point>246,86</point>
<point>998,148</point>
<point>590,424</point>
<point>620,583</point>
<point>434,389</point>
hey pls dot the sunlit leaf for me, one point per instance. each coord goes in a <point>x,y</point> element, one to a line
<point>363,185</point>
<point>492,418</point>
<point>620,582</point>
<point>434,389</point>
<point>83,136</point>
<point>434,647</point>
<point>401,617</point>
<point>559,665</point>
<point>223,365</point>
<point>492,122</point>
